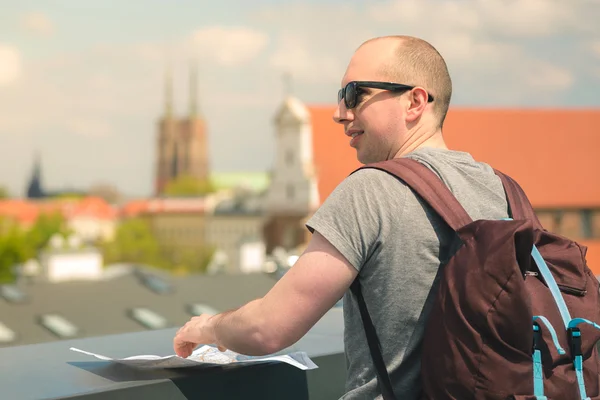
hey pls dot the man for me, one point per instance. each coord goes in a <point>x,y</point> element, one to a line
<point>372,226</point>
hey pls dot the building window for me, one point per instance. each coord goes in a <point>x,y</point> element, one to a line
<point>290,191</point>
<point>558,217</point>
<point>199,309</point>
<point>148,318</point>
<point>586,224</point>
<point>12,294</point>
<point>59,326</point>
<point>289,157</point>
<point>7,335</point>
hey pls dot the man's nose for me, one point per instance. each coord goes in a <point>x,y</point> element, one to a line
<point>342,114</point>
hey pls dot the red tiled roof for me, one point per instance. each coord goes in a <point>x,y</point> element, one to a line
<point>553,154</point>
<point>21,211</point>
<point>94,207</point>
<point>333,157</point>
<point>170,205</point>
<point>27,212</point>
<point>133,208</point>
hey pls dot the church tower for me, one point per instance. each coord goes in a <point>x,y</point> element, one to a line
<point>293,192</point>
<point>35,189</point>
<point>182,143</point>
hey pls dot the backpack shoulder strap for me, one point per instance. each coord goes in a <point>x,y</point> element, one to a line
<point>427,185</point>
<point>520,207</point>
<point>431,188</point>
<point>383,378</point>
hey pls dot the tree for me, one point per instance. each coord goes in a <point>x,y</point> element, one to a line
<point>194,260</point>
<point>189,186</point>
<point>18,245</point>
<point>14,250</point>
<point>4,193</point>
<point>45,226</point>
<point>134,242</point>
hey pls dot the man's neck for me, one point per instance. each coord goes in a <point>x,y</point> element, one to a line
<point>419,140</point>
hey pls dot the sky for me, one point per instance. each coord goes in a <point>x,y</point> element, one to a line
<point>82,82</point>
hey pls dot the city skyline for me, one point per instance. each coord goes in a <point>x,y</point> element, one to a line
<point>83,84</point>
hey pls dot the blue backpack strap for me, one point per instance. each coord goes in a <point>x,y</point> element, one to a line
<point>538,371</point>
<point>547,275</point>
<point>575,344</point>
<point>550,328</point>
<point>574,334</point>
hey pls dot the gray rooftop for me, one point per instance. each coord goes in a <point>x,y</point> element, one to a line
<point>104,307</point>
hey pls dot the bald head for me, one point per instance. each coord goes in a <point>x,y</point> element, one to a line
<point>413,61</point>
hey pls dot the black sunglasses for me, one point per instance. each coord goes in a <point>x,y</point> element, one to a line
<point>350,92</point>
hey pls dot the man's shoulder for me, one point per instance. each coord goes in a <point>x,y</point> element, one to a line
<point>367,177</point>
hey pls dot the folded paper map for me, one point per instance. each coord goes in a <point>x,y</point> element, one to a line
<point>206,356</point>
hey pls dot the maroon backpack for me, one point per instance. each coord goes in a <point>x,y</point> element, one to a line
<point>515,311</point>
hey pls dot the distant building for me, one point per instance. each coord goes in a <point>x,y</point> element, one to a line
<point>293,192</point>
<point>235,229</point>
<point>182,148</point>
<point>67,259</point>
<point>35,188</point>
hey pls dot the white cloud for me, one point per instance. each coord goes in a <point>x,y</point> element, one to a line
<point>493,63</point>
<point>477,38</point>
<point>228,46</point>
<point>10,64</point>
<point>294,54</point>
<point>502,18</point>
<point>37,23</point>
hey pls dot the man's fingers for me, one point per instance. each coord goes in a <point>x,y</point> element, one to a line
<point>184,349</point>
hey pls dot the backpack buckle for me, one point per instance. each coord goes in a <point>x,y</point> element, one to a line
<point>574,335</point>
<point>537,336</point>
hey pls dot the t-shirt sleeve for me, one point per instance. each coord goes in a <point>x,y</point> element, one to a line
<point>354,215</point>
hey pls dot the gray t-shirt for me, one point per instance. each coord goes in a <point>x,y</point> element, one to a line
<point>397,243</point>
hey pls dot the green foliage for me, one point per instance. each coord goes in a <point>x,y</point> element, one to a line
<point>13,250</point>
<point>134,242</point>
<point>4,193</point>
<point>46,225</point>
<point>191,260</point>
<point>18,245</point>
<point>189,186</point>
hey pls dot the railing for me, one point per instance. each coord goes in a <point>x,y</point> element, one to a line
<point>52,371</point>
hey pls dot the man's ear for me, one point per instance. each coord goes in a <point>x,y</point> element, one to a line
<point>418,100</point>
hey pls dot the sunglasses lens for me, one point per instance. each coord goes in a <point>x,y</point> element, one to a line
<point>340,95</point>
<point>350,95</point>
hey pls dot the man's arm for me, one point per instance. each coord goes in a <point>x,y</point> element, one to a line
<point>318,279</point>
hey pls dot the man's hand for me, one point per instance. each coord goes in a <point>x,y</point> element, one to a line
<point>198,330</point>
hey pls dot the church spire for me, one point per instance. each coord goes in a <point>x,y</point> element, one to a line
<point>34,189</point>
<point>193,89</point>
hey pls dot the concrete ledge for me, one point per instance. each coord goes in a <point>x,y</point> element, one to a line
<point>52,371</point>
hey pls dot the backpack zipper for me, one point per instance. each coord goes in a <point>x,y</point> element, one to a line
<point>571,290</point>
<point>563,288</point>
